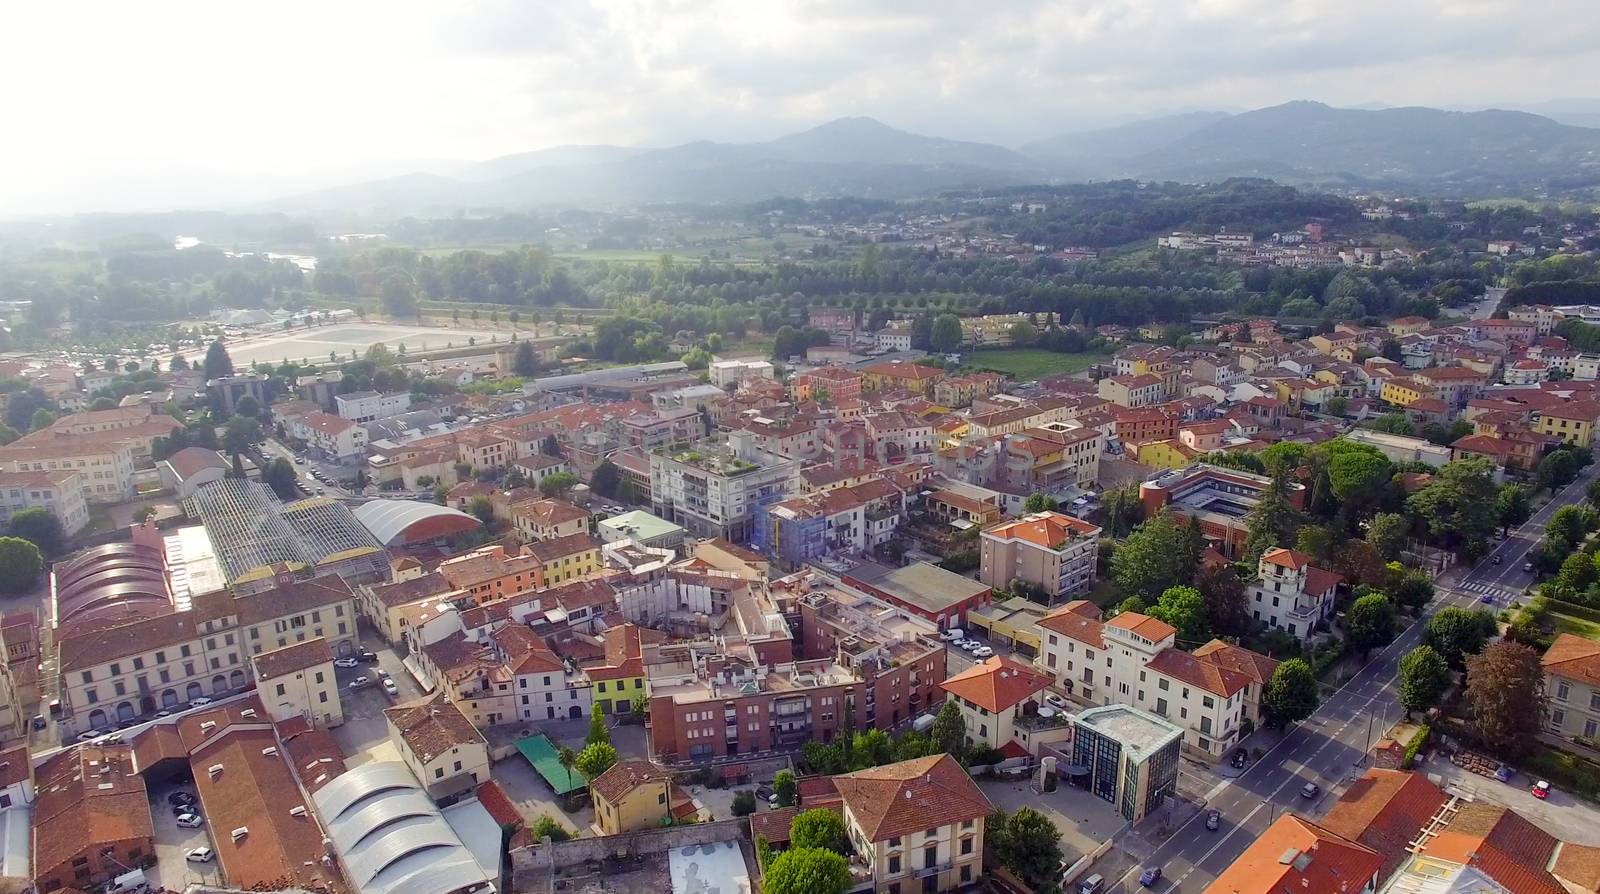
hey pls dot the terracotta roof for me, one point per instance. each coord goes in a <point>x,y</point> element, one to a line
<point>900,798</point>
<point>997,684</point>
<point>1574,658</point>
<point>1295,854</point>
<point>406,591</point>
<point>549,512</point>
<point>14,766</point>
<point>1070,622</point>
<point>1186,668</point>
<point>626,775</point>
<point>903,370</point>
<point>1482,444</point>
<point>1501,844</point>
<point>526,652</point>
<point>77,806</point>
<point>190,460</point>
<point>1050,530</point>
<point>773,825</point>
<point>1152,629</point>
<point>555,548</point>
<point>493,798</point>
<point>314,754</point>
<point>1384,810</point>
<point>432,726</point>
<point>291,598</point>
<point>291,658</point>
<point>1319,581</point>
<point>1286,558</point>
<point>1584,411</point>
<point>1254,665</point>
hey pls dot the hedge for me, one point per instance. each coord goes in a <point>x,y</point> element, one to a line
<point>1419,739</point>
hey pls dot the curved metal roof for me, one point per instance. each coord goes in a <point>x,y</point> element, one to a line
<point>123,580</point>
<point>389,834</point>
<point>387,519</point>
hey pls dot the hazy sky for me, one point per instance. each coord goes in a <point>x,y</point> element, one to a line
<point>126,103</point>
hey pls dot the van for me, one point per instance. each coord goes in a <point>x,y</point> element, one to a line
<point>1092,884</point>
<point>131,882</point>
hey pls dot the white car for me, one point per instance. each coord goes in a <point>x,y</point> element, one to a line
<point>346,662</point>
<point>982,652</point>
<point>390,688</point>
<point>361,682</point>
<point>201,855</point>
<point>200,702</point>
<point>970,645</point>
<point>190,821</point>
<point>1056,701</point>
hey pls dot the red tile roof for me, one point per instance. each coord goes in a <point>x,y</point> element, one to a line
<point>1068,621</point>
<point>1152,629</point>
<point>897,799</point>
<point>1295,854</point>
<point>998,684</point>
<point>1196,672</point>
<point>1384,810</point>
<point>1573,657</point>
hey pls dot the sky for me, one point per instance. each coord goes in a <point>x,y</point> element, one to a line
<point>118,105</point>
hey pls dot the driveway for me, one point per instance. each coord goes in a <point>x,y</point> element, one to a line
<point>533,797</point>
<point>1577,821</point>
<point>364,736</point>
<point>173,843</point>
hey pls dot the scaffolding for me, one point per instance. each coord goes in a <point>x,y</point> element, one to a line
<point>252,531</point>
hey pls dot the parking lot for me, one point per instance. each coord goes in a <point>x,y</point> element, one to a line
<point>364,736</point>
<point>173,843</point>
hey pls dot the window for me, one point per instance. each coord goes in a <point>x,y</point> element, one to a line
<point>966,873</point>
<point>438,773</point>
<point>458,766</point>
<point>322,697</point>
<point>116,669</point>
<point>138,663</point>
<point>280,689</point>
<point>894,864</point>
<point>602,687</point>
<point>966,846</point>
<point>319,676</point>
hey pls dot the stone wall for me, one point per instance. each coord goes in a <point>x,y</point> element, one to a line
<point>533,868</point>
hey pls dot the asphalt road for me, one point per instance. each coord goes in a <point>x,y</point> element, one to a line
<point>1328,748</point>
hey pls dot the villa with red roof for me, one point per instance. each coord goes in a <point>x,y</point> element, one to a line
<point>1291,593</point>
<point>994,696</point>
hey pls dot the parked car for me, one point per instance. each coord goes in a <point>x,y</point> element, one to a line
<point>1310,790</point>
<point>361,682</point>
<point>367,655</point>
<point>383,674</point>
<point>201,855</point>
<point>90,734</point>
<point>1092,884</point>
<point>968,645</point>
<point>391,689</point>
<point>1213,820</point>
<point>953,634</point>
<point>982,652</point>
<point>346,662</point>
<point>180,797</point>
<point>1150,876</point>
<point>1239,758</point>
<point>1055,701</point>
<point>190,821</point>
<point>299,460</point>
<point>200,702</point>
<point>190,809</point>
<point>1541,790</point>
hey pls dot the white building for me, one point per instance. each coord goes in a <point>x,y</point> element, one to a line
<point>893,339</point>
<point>711,488</point>
<point>299,681</point>
<point>333,438</point>
<point>1399,448</point>
<point>365,406</point>
<point>732,372</point>
<point>1291,593</point>
<point>60,493</point>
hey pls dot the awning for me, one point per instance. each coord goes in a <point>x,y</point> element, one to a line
<point>415,670</point>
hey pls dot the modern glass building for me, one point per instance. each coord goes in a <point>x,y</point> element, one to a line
<point>1126,756</point>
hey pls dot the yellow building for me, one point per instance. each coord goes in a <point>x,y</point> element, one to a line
<point>548,520</point>
<point>564,559</point>
<point>635,795</point>
<point>298,681</point>
<point>899,374</point>
<point>615,684</point>
<point>1167,455</point>
<point>1571,422</point>
<point>1403,392</point>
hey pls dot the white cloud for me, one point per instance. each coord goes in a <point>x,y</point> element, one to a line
<point>178,95</point>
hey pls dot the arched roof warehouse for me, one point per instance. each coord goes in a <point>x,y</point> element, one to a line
<point>397,522</point>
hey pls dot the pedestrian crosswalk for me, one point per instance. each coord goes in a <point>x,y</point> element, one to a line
<point>1487,591</point>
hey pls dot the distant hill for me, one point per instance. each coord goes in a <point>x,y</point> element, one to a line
<point>1108,146</point>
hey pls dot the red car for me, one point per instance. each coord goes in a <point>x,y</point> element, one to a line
<point>1541,790</point>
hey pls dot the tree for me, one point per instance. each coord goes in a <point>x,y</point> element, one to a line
<point>178,363</point>
<point>946,335</point>
<point>1558,468</point>
<point>41,420</point>
<point>1132,604</point>
<point>1184,609</point>
<point>1151,559</point>
<point>1577,574</point>
<point>240,434</point>
<point>1424,677</point>
<point>871,748</point>
<point>597,730</point>
<point>1593,492</point>
<point>557,484</point>
<point>1291,694</point>
<point>1226,602</point>
<point>949,730</point>
<point>1273,522</point>
<point>525,363</point>
<point>1388,533</point>
<point>481,507</point>
<point>1412,588</point>
<point>819,828</point>
<point>1337,406</point>
<point>744,803</point>
<point>1315,541</point>
<point>20,565</point>
<point>1039,503</point>
<point>606,479</point>
<point>217,363</point>
<point>1456,633</point>
<point>281,477</point>
<point>1505,689</point>
<point>1370,622</point>
<point>1026,842</point>
<point>807,870</point>
<point>1358,476</point>
<point>546,826</point>
<point>1458,505</point>
<point>595,759</point>
<point>40,527</point>
<point>1394,424</point>
<point>1513,505</point>
<point>102,403</point>
<point>398,296</point>
<point>247,406</point>
<point>1567,527</point>
<point>784,786</point>
<point>568,759</point>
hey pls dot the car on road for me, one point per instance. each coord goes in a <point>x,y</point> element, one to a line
<point>1540,790</point>
<point>201,855</point>
<point>391,689</point>
<point>1310,790</point>
<point>299,460</point>
<point>346,662</point>
<point>1213,820</point>
<point>1495,560</point>
<point>1092,885</point>
<point>1528,567</point>
<point>190,821</point>
<point>982,652</point>
<point>361,682</point>
<point>1150,876</point>
<point>1055,701</point>
<point>1239,758</point>
<point>367,655</point>
<point>200,702</point>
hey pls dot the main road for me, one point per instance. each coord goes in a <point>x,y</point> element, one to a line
<point>1327,748</point>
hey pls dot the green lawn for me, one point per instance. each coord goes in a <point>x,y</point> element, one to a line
<point>1026,364</point>
<point>1573,624</point>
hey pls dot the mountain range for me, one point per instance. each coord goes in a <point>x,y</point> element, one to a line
<point>1422,149</point>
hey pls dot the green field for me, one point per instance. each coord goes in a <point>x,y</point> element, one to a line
<point>1571,620</point>
<point>1027,364</point>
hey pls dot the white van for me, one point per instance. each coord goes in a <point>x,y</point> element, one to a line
<point>132,882</point>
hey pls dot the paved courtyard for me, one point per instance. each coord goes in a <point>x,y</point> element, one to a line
<point>1083,820</point>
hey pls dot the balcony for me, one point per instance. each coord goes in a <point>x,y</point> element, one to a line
<point>935,869</point>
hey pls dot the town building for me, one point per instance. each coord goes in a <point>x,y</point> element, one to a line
<point>442,748</point>
<point>1572,687</point>
<point>328,437</point>
<point>190,469</point>
<point>1295,854</point>
<point>1222,499</point>
<point>894,374</point>
<point>60,493</point>
<point>91,817</point>
<point>634,795</point>
<point>922,589</point>
<point>918,824</point>
<point>995,696</point>
<point>1131,757</point>
<point>299,681</point>
<point>366,406</point>
<point>1049,550</point>
<point>713,488</point>
<point>1291,593</point>
<point>642,528</point>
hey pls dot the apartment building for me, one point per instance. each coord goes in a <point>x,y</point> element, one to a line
<point>332,438</point>
<point>112,672</point>
<point>543,687</point>
<point>895,374</point>
<point>1213,693</point>
<point>1455,385</point>
<point>1054,552</point>
<point>535,468</point>
<point>365,406</point>
<point>1572,422</point>
<point>564,559</point>
<point>1133,391</point>
<point>443,749</point>
<point>843,520</point>
<point>60,493</point>
<point>961,391</point>
<point>547,519</point>
<point>918,824</point>
<point>103,460</point>
<point>1572,687</point>
<point>1051,458</point>
<point>713,488</point>
<point>994,697</point>
<point>1291,593</point>
<point>299,681</point>
<point>837,382</point>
